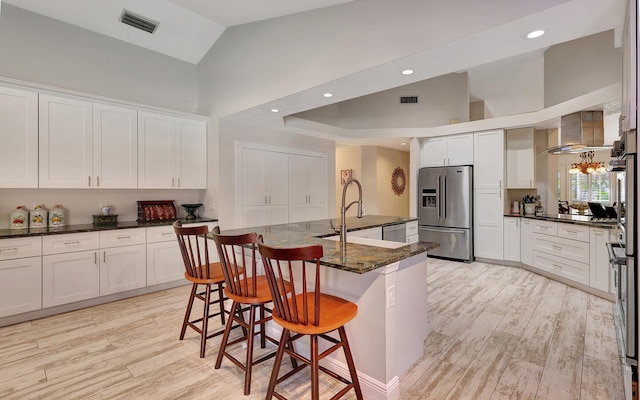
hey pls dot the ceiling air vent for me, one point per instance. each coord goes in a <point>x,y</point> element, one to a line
<point>409,100</point>
<point>138,21</point>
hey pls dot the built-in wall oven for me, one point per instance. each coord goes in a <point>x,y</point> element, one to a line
<point>622,255</point>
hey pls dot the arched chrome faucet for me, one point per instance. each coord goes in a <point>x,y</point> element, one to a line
<point>343,209</point>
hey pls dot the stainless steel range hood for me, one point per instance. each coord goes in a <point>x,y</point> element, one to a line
<point>581,131</point>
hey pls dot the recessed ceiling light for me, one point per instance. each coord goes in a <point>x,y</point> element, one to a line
<point>535,34</point>
<point>403,144</point>
<point>407,72</point>
<point>328,94</point>
<point>275,110</point>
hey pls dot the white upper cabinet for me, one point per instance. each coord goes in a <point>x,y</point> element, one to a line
<point>520,159</point>
<point>65,139</point>
<point>488,157</point>
<point>191,160</point>
<point>115,147</point>
<point>171,152</point>
<point>306,179</point>
<point>19,133</point>
<point>448,150</point>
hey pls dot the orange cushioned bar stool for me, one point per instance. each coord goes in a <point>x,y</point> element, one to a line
<point>200,271</point>
<point>302,310</point>
<point>246,288</point>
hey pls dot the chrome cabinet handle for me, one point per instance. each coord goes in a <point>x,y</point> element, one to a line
<point>104,257</point>
<point>97,181</point>
<point>13,249</point>
<point>89,181</point>
<point>123,237</point>
<point>179,182</point>
<point>172,182</point>
<point>72,242</point>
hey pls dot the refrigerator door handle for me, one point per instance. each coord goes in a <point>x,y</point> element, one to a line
<point>444,203</point>
<point>439,197</point>
<point>446,230</point>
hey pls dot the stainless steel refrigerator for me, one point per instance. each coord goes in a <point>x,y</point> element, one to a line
<point>445,210</point>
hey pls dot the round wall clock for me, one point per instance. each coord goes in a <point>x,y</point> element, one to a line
<point>398,181</point>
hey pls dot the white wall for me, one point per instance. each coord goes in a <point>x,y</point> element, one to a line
<point>42,50</point>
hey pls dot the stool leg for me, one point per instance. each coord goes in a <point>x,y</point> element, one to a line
<point>225,336</point>
<point>187,314</point>
<point>205,321</point>
<point>221,302</point>
<point>249,361</point>
<point>284,338</point>
<point>263,336</point>
<point>315,371</point>
<point>350,363</point>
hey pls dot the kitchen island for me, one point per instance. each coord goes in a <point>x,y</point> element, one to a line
<point>388,282</point>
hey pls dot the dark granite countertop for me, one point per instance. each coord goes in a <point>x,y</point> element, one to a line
<point>354,257</point>
<point>15,233</point>
<point>570,219</point>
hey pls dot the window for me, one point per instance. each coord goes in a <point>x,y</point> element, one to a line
<point>595,187</point>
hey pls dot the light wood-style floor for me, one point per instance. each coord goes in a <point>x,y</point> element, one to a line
<point>497,333</point>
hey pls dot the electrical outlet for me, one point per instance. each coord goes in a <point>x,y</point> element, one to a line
<point>391,296</point>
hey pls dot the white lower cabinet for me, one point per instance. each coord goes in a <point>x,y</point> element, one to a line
<point>123,260</point>
<point>600,269</point>
<point>566,268</point>
<point>488,224</point>
<point>164,261</point>
<point>70,277</point>
<point>526,241</point>
<point>20,285</point>
<point>371,233</point>
<point>511,239</point>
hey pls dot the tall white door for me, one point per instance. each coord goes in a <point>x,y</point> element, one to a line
<point>488,160</point>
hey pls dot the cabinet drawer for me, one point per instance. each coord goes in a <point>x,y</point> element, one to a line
<point>561,247</point>
<point>412,228</point>
<point>122,237</point>
<point>545,227</point>
<point>66,243</point>
<point>575,232</point>
<point>160,234</point>
<point>412,239</point>
<point>20,248</point>
<point>575,271</point>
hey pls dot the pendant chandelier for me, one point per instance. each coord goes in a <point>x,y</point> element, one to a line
<point>587,165</point>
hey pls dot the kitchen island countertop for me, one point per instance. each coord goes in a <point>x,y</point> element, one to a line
<point>358,258</point>
<point>585,220</point>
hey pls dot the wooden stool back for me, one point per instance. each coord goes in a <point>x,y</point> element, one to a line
<point>238,260</point>
<point>194,247</point>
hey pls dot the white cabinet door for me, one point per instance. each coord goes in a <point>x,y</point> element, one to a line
<point>306,188</point>
<point>488,160</point>
<point>65,143</point>
<point>460,149</point>
<point>20,285</point>
<point>520,158</point>
<point>254,177</point>
<point>599,274</point>
<point>277,178</point>
<point>191,160</point>
<point>115,147</point>
<point>164,263</point>
<point>488,224</point>
<point>70,277</point>
<point>434,152</point>
<point>156,151</point>
<point>19,134</point>
<point>512,239</point>
<point>526,241</point>
<point>122,268</point>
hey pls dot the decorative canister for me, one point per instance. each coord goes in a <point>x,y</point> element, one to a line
<point>19,218</point>
<point>56,216</point>
<point>38,217</point>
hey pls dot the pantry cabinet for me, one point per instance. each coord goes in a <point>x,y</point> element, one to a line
<point>19,133</point>
<point>488,224</point>
<point>306,188</point>
<point>448,150</point>
<point>488,160</point>
<point>171,152</point>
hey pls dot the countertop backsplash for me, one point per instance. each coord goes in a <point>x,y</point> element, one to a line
<point>81,204</point>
